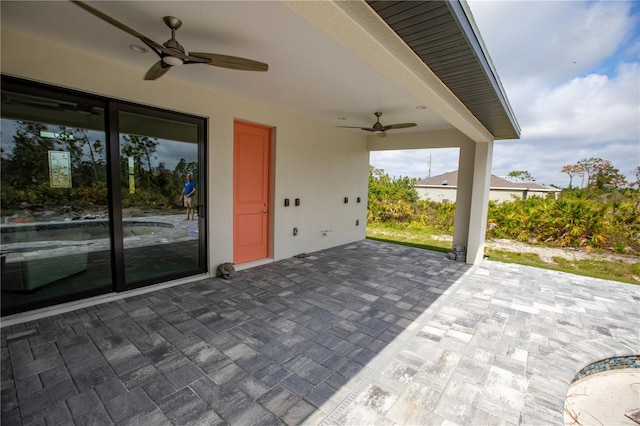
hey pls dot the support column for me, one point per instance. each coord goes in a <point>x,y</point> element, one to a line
<point>479,201</point>
<point>463,194</point>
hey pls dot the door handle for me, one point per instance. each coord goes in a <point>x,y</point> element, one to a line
<point>265,211</point>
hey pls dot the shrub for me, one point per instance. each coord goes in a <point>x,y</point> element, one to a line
<point>578,218</point>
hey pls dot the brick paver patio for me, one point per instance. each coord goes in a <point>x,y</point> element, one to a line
<point>366,333</point>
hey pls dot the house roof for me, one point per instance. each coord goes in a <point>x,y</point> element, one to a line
<point>450,179</point>
<point>313,70</point>
<point>444,35</point>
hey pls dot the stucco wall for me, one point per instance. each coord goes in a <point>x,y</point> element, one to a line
<point>437,194</point>
<point>442,193</point>
<point>504,195</point>
<point>314,162</point>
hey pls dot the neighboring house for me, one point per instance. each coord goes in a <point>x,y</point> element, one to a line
<point>444,188</point>
<point>277,177</point>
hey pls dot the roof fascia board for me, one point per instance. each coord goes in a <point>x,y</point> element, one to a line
<point>525,188</point>
<point>462,14</point>
<point>358,28</point>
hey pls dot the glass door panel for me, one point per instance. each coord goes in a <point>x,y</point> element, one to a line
<point>54,215</point>
<point>156,155</point>
<point>88,208</point>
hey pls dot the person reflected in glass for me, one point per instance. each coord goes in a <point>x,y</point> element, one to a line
<point>187,194</point>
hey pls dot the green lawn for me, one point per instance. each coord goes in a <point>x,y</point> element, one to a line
<point>617,270</point>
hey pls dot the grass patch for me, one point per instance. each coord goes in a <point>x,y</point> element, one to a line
<point>409,237</point>
<point>528,259</point>
<point>416,245</point>
<point>616,270</point>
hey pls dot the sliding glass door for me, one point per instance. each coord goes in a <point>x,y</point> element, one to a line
<point>156,156</point>
<point>55,205</point>
<point>91,196</point>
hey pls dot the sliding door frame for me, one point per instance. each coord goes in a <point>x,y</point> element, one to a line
<point>112,109</point>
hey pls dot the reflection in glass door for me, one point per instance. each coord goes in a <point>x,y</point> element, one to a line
<point>55,221</point>
<point>90,195</point>
<point>156,156</point>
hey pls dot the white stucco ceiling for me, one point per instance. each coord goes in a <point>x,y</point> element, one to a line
<point>309,72</point>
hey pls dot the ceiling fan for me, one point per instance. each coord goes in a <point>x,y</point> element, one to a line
<point>379,128</point>
<point>172,53</point>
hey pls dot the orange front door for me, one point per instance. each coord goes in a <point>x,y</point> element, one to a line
<point>251,177</point>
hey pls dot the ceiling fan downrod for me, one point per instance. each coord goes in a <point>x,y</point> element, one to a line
<point>172,44</point>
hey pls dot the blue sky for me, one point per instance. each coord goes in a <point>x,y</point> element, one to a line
<point>571,71</point>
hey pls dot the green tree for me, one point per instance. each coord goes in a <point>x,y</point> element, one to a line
<point>608,177</point>
<point>588,166</point>
<point>636,174</point>
<point>93,154</point>
<point>572,170</point>
<point>384,187</point>
<point>183,168</point>
<point>142,149</point>
<point>390,198</point>
<point>27,164</point>
<point>523,175</point>
<point>601,174</point>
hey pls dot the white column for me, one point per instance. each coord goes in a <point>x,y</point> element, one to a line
<point>463,194</point>
<point>479,201</point>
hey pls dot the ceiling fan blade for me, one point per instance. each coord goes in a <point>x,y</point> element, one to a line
<point>400,125</point>
<point>357,127</point>
<point>108,19</point>
<point>157,70</point>
<point>232,62</point>
<point>381,129</point>
<point>152,44</point>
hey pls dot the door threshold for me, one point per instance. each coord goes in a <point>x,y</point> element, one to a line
<point>63,308</point>
<point>253,264</point>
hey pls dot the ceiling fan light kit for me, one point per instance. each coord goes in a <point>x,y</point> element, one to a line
<point>172,60</point>
<point>380,129</point>
<point>171,53</point>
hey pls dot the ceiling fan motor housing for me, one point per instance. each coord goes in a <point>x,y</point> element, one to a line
<point>173,45</point>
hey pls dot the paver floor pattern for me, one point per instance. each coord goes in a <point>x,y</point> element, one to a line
<point>366,333</point>
<point>272,343</point>
<point>502,350</point>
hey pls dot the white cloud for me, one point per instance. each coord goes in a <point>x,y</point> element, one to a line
<point>571,73</point>
<point>551,41</point>
<point>417,163</point>
<point>544,160</point>
<point>587,110</point>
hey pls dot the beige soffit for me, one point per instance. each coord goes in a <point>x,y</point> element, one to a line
<point>357,27</point>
